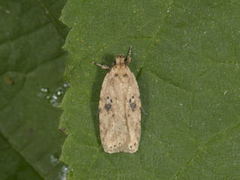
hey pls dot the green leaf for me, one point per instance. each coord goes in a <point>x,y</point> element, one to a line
<point>186,59</point>
<point>12,165</point>
<point>31,58</point>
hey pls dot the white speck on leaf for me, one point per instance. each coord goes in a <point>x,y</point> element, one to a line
<point>225,92</point>
<point>64,172</point>
<point>54,160</point>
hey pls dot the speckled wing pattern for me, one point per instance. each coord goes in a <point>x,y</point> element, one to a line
<point>120,111</point>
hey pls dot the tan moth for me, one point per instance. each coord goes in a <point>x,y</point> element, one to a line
<point>120,108</point>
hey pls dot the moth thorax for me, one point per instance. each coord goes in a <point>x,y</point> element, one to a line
<point>120,60</point>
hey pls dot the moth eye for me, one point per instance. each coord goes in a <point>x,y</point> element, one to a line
<point>133,97</point>
<point>107,97</point>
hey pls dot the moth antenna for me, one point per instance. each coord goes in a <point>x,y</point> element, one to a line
<point>129,54</point>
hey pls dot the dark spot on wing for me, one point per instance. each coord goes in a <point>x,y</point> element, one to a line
<point>133,106</point>
<point>132,103</point>
<point>125,75</point>
<point>107,107</point>
<point>115,74</point>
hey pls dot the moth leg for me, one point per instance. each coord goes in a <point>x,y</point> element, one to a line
<point>101,65</point>
<point>143,111</point>
<point>129,54</point>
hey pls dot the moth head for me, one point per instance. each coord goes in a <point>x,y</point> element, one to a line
<point>120,60</point>
<point>124,60</point>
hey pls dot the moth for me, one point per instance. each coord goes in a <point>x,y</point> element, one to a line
<point>120,108</point>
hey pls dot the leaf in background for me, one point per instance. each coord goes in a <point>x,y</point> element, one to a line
<point>30,58</point>
<point>186,59</point>
<point>12,165</point>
